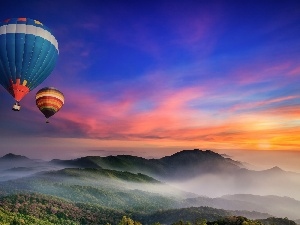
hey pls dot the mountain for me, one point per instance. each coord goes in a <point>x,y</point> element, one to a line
<point>108,188</point>
<point>85,162</point>
<point>181,180</point>
<point>47,210</point>
<point>139,193</point>
<point>196,171</point>
<point>13,157</point>
<point>15,166</point>
<point>194,214</point>
<point>192,163</point>
<point>182,165</point>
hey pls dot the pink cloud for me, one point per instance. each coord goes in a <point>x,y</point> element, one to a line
<point>119,117</point>
<point>171,119</point>
<point>258,104</point>
<point>260,71</point>
<point>295,72</point>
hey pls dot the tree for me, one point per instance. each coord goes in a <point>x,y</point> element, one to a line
<point>128,221</point>
<point>201,222</point>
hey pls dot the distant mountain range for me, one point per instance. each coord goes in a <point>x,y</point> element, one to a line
<point>181,180</point>
<point>13,157</point>
<point>200,172</point>
<point>182,165</point>
<point>16,166</point>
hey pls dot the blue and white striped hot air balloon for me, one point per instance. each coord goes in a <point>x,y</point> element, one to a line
<point>28,54</point>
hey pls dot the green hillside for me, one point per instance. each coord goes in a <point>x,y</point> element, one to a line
<point>184,164</point>
<point>113,189</point>
<point>277,221</point>
<point>185,214</point>
<point>142,195</point>
<point>194,214</point>
<point>40,209</point>
<point>98,174</point>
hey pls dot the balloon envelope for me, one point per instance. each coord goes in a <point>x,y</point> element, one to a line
<point>49,100</point>
<point>28,54</point>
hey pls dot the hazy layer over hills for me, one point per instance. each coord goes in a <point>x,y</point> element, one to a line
<point>200,172</point>
<point>178,181</point>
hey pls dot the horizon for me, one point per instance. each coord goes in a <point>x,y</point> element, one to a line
<point>180,174</point>
<point>254,160</point>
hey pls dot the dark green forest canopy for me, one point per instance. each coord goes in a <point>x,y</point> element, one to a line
<point>43,209</point>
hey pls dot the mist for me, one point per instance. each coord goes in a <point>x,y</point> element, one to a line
<point>246,182</point>
<point>265,159</point>
<point>24,167</point>
<point>187,179</point>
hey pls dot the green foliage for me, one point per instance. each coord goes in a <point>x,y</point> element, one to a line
<point>41,209</point>
<point>183,164</point>
<point>128,221</point>
<point>235,220</point>
<point>180,222</point>
<point>48,210</point>
<point>107,188</point>
<point>277,221</point>
<point>96,173</point>
<point>103,196</point>
<point>196,215</point>
<point>229,220</point>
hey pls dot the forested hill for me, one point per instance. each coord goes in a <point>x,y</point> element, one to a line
<point>97,174</point>
<point>115,189</point>
<point>193,214</point>
<point>45,210</point>
<point>183,165</point>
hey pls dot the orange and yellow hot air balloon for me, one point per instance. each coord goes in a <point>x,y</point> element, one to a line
<point>49,100</point>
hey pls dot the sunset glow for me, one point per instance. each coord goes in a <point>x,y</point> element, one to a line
<point>221,76</point>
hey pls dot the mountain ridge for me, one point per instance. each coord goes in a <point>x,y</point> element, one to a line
<point>177,165</point>
<point>82,176</point>
<point>11,156</point>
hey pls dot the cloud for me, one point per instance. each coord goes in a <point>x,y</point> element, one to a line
<point>261,105</point>
<point>217,113</point>
<point>162,74</point>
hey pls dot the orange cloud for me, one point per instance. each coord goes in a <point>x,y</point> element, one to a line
<point>172,122</point>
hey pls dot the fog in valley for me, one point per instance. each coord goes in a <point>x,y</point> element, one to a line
<point>218,182</point>
<point>268,182</point>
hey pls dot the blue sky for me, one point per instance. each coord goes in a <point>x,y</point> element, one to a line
<point>154,77</point>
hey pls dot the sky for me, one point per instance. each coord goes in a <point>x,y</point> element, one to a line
<point>150,78</point>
